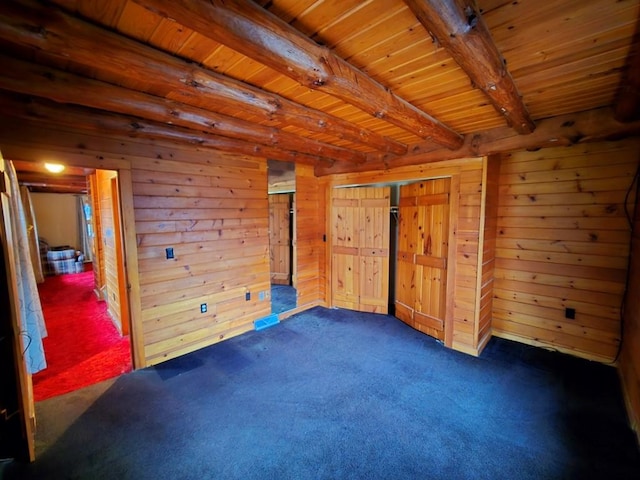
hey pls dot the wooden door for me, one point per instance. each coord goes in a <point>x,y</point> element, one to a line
<point>280,238</point>
<point>22,386</point>
<point>360,248</point>
<point>423,238</point>
<point>119,254</point>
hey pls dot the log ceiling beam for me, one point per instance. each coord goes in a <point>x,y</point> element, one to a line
<point>42,181</point>
<point>565,130</point>
<point>41,81</point>
<point>255,32</point>
<point>458,26</point>
<point>85,120</point>
<point>54,33</point>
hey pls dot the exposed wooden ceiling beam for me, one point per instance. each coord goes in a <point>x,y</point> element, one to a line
<point>45,82</point>
<point>458,26</point>
<point>43,182</point>
<point>86,120</point>
<point>565,130</point>
<point>255,32</point>
<point>55,33</point>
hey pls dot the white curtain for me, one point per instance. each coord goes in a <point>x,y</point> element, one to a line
<point>83,211</point>
<point>32,233</point>
<point>32,326</point>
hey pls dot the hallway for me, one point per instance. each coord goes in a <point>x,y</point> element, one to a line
<point>83,346</point>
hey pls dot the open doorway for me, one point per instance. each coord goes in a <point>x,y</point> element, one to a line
<point>83,295</point>
<point>281,177</point>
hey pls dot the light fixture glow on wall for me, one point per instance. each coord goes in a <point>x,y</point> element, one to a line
<point>54,167</point>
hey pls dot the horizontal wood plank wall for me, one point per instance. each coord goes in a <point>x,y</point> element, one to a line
<point>107,224</point>
<point>215,217</point>
<point>563,242</point>
<point>468,261</point>
<point>629,365</point>
<point>486,278</point>
<point>309,223</point>
<point>463,328</point>
<point>213,210</point>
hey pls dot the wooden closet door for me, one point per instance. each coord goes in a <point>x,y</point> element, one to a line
<point>360,248</point>
<point>423,239</point>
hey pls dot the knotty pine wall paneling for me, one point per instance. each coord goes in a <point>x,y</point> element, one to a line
<point>488,237</point>
<point>629,361</point>
<point>109,266</point>
<point>212,208</point>
<point>214,215</point>
<point>463,312</point>
<point>563,243</point>
<point>309,227</point>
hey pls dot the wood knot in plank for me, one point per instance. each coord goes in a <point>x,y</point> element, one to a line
<point>611,208</point>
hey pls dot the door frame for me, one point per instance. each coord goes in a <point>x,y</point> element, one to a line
<point>130,262</point>
<point>289,234</point>
<point>454,206</point>
<point>129,240</point>
<point>119,249</point>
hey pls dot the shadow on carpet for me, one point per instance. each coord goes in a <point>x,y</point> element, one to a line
<point>334,394</point>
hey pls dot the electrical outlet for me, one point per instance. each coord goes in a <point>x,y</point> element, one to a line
<point>203,308</point>
<point>247,296</point>
<point>570,313</point>
<point>169,253</point>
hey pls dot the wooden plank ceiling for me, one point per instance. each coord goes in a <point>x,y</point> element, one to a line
<point>344,85</point>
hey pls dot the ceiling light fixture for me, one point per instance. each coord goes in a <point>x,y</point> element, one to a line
<point>54,167</point>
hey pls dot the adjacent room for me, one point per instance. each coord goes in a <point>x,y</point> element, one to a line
<point>356,239</point>
<point>72,218</point>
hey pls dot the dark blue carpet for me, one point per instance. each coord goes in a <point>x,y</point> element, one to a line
<point>283,298</point>
<point>333,394</point>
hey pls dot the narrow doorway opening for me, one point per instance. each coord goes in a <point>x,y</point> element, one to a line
<point>282,236</point>
<point>83,296</point>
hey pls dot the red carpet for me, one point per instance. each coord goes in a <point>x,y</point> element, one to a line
<point>83,346</point>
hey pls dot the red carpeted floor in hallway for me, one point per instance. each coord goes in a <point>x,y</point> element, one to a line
<point>83,346</point>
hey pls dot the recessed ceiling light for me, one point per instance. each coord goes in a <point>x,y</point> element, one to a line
<point>54,167</point>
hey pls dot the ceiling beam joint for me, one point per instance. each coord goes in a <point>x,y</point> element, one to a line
<point>256,33</point>
<point>459,28</point>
